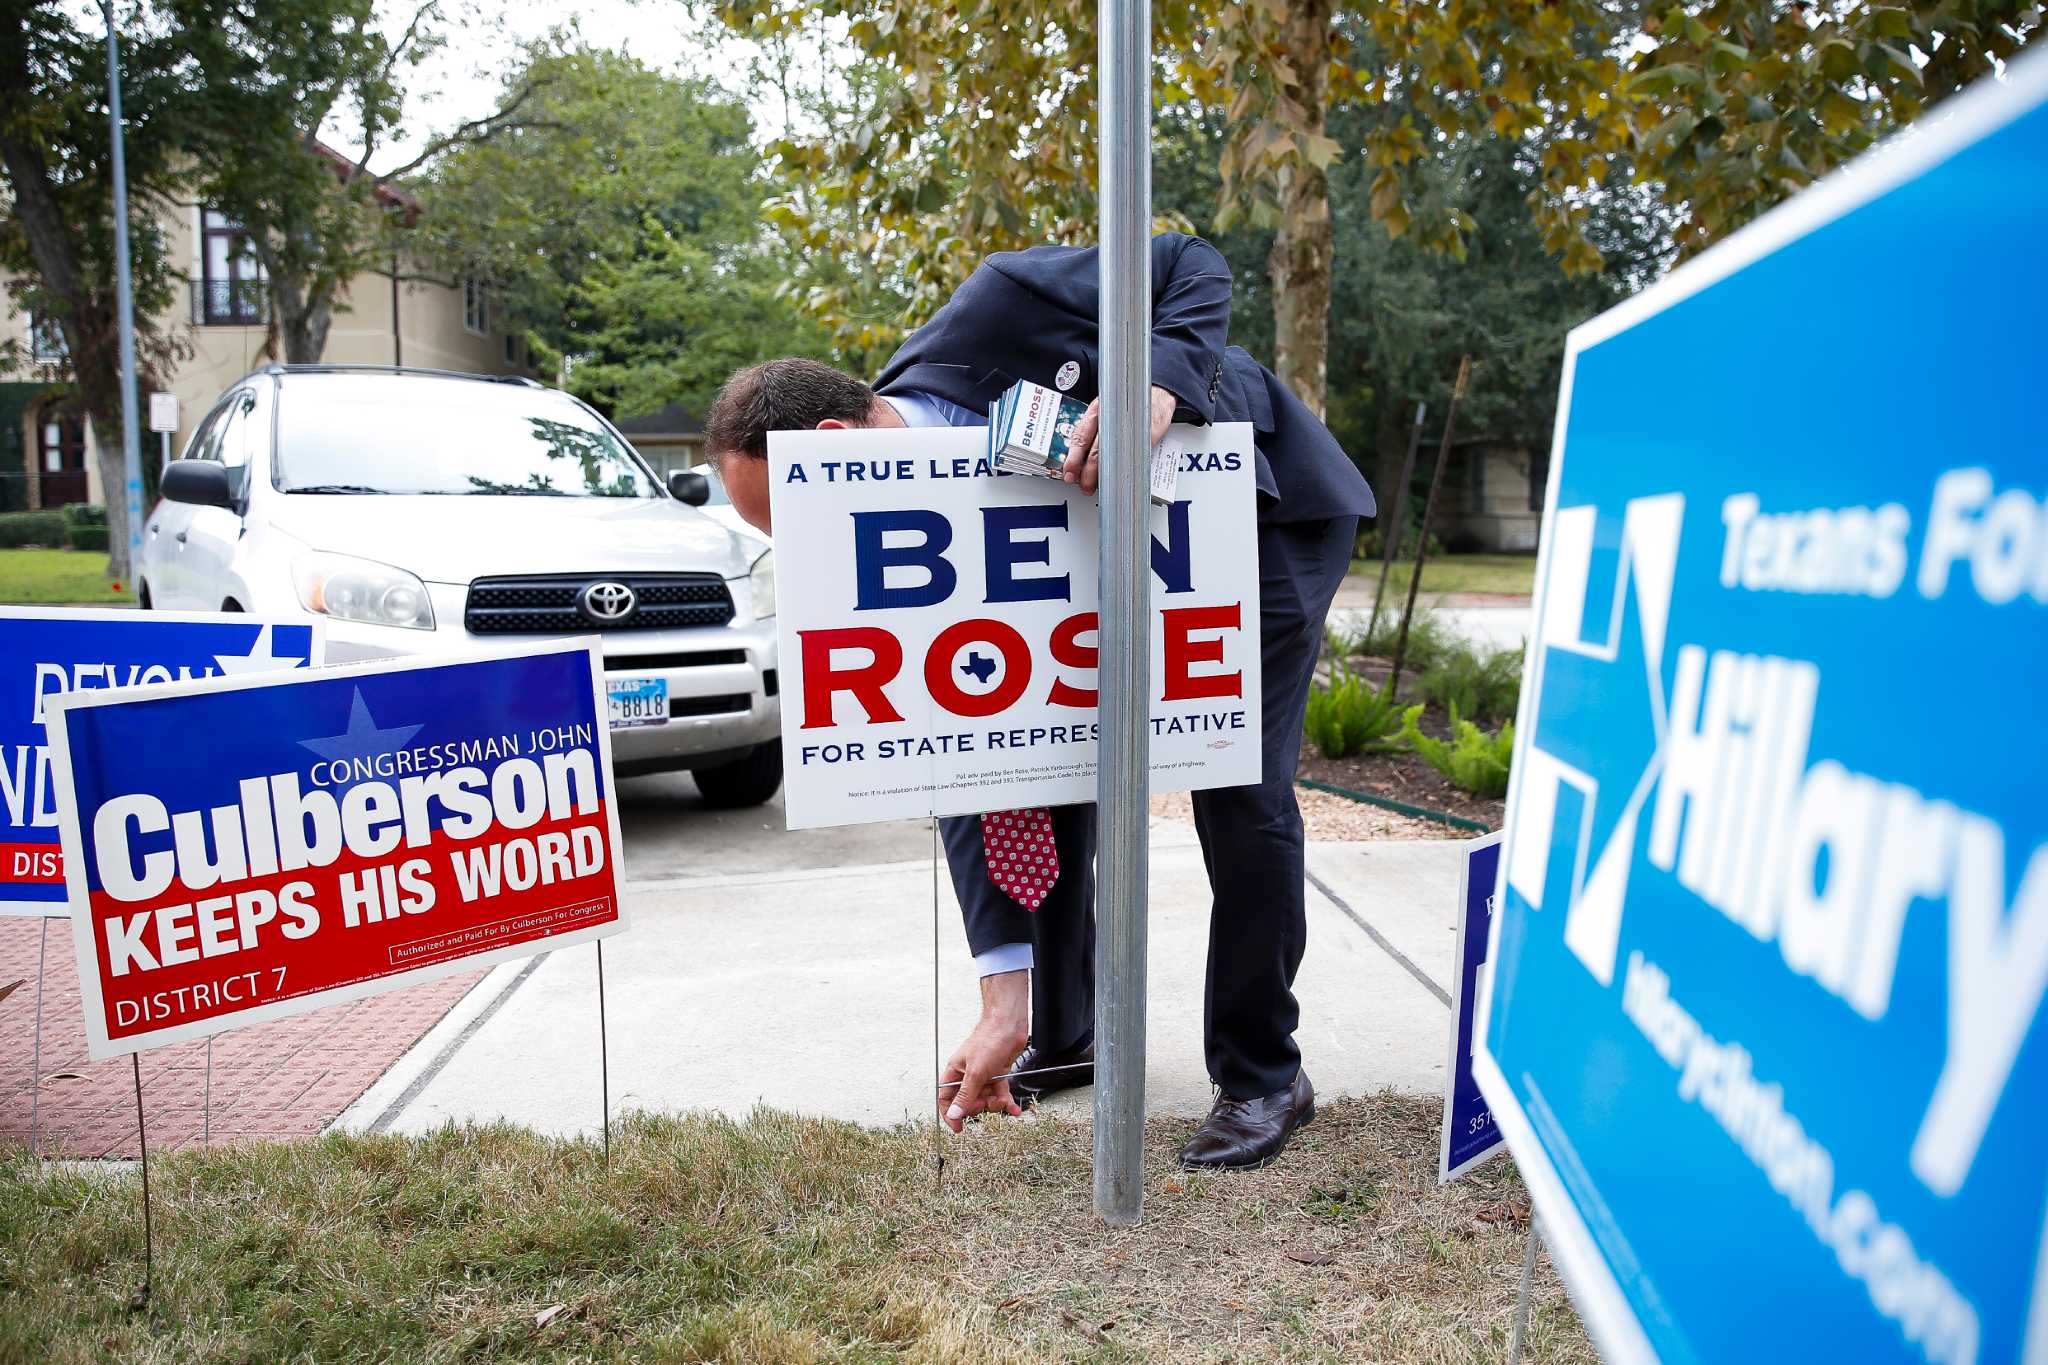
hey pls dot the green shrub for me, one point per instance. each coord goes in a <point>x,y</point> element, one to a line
<point>1483,683</point>
<point>31,528</point>
<point>1346,716</point>
<point>85,526</point>
<point>1471,758</point>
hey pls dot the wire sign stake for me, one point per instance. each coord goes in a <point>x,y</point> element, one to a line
<point>35,1078</point>
<point>148,1228</point>
<point>604,1060</point>
<point>1522,1295</point>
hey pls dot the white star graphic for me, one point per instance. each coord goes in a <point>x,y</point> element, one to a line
<point>259,659</point>
<point>363,738</point>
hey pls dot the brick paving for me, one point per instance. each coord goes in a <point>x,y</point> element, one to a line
<point>287,1078</point>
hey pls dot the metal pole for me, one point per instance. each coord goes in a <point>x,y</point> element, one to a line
<point>1436,482</point>
<point>1522,1298</point>
<point>131,440</point>
<point>206,1103</point>
<point>1124,104</point>
<point>1397,514</point>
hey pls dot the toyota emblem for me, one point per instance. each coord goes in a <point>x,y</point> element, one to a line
<point>607,601</point>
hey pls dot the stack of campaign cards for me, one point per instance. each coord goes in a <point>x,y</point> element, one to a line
<point>1031,429</point>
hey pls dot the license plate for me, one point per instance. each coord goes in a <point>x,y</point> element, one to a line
<point>637,701</point>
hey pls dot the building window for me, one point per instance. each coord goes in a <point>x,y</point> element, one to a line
<point>476,307</point>
<point>45,341</point>
<point>511,349</point>
<point>231,290</point>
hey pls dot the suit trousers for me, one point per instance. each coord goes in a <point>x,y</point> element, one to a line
<point>1251,844</point>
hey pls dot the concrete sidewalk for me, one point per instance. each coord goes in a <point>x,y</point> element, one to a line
<point>810,990</point>
<point>1494,625</point>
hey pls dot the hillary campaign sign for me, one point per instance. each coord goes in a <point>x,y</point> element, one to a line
<point>1470,1136</point>
<point>937,622</point>
<point>45,652</point>
<point>1764,1023</point>
<point>247,848</point>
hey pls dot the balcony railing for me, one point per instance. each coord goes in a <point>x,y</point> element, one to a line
<point>230,303</point>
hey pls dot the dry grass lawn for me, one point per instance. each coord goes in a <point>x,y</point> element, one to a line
<point>776,1240</point>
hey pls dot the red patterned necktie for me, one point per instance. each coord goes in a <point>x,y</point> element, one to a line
<point>1022,859</point>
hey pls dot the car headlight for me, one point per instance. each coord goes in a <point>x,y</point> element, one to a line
<point>351,589</point>
<point>762,579</point>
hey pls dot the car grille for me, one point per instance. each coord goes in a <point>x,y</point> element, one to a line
<point>553,603</point>
<point>681,707</point>
<point>694,658</point>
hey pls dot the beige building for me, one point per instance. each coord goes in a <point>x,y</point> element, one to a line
<point>222,313</point>
<point>670,439</point>
<point>1493,496</point>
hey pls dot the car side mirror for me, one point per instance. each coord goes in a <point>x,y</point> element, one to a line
<point>688,486</point>
<point>201,483</point>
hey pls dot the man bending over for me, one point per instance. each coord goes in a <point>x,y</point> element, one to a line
<point>1033,315</point>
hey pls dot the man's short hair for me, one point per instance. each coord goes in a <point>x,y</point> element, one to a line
<point>792,394</point>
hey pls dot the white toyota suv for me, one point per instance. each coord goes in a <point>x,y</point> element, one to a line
<point>422,512</point>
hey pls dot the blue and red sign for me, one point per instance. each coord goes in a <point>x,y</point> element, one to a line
<point>46,652</point>
<point>244,849</point>
<point>1470,1135</point>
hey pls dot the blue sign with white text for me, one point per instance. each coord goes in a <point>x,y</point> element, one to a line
<point>49,652</point>
<point>1470,1135</point>
<point>1764,1024</point>
<point>244,849</point>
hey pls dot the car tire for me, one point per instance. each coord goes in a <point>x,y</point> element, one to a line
<point>745,781</point>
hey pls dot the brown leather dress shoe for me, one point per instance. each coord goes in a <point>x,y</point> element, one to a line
<point>1246,1134</point>
<point>1028,1090</point>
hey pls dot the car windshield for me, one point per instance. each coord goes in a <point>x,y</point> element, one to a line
<point>719,497</point>
<point>408,434</point>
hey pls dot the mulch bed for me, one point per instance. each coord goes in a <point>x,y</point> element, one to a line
<point>1402,776</point>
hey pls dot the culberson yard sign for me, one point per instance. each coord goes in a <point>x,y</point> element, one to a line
<point>244,849</point>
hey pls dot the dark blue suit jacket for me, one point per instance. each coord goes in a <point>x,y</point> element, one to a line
<point>1024,314</point>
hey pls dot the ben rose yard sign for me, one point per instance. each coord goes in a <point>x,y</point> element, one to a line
<point>938,625</point>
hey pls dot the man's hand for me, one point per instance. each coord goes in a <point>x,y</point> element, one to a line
<point>1082,466</point>
<point>989,1051</point>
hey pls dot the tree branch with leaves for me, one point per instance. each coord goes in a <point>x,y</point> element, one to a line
<point>316,217</point>
<point>982,138</point>
<point>57,234</point>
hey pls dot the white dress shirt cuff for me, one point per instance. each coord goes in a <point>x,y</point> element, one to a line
<point>1005,957</point>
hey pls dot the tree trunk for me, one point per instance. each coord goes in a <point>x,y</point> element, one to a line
<point>1299,265</point>
<point>85,316</point>
<point>106,439</point>
<point>301,307</point>
<point>304,329</point>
